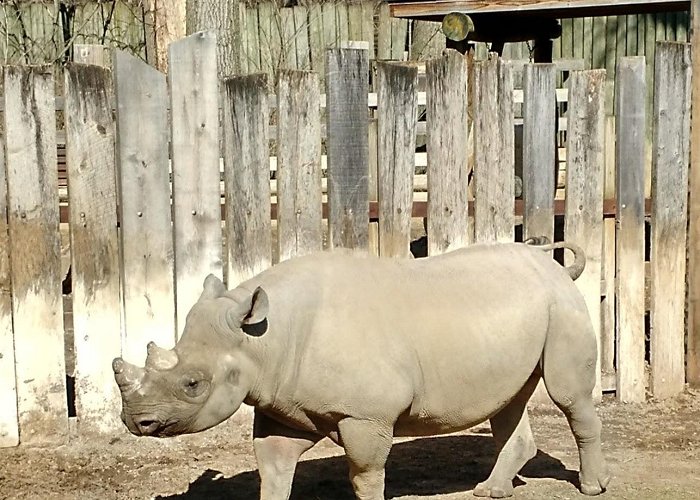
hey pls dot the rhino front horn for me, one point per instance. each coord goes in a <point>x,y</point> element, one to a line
<point>159,358</point>
<point>127,375</point>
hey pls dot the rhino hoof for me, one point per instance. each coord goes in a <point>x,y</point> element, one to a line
<point>493,491</point>
<point>595,487</point>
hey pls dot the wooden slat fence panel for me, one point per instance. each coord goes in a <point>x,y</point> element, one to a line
<point>194,105</point>
<point>144,198</point>
<point>630,154</point>
<point>446,110</point>
<point>585,168</point>
<point>299,198</point>
<point>9,429</point>
<point>347,73</point>
<point>671,159</point>
<point>33,216</point>
<point>494,151</point>
<point>539,150</point>
<point>397,114</point>
<point>246,177</point>
<point>94,245</point>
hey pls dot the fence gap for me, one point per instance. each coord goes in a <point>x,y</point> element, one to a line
<point>607,343</point>
<point>671,158</point>
<point>347,86</point>
<point>35,247</point>
<point>299,195</point>
<point>397,108</point>
<point>194,105</point>
<point>494,149</point>
<point>630,153</point>
<point>539,182</point>
<point>144,197</point>
<point>585,171</point>
<point>246,177</point>
<point>94,244</point>
<point>446,141</point>
<point>9,428</point>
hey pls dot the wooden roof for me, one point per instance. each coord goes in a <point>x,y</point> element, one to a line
<point>436,9</point>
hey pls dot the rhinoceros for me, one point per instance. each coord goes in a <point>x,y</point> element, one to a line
<point>361,349</point>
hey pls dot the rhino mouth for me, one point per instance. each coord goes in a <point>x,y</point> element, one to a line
<point>144,425</point>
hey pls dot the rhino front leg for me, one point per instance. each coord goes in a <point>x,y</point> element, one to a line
<point>277,451</point>
<point>367,444</point>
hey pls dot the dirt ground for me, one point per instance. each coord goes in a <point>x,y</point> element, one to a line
<point>653,451</point>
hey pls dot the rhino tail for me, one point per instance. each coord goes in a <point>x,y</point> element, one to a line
<point>575,269</point>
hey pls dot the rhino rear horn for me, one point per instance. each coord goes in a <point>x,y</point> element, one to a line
<point>159,358</point>
<point>213,288</point>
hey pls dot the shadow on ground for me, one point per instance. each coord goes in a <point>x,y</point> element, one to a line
<point>430,466</point>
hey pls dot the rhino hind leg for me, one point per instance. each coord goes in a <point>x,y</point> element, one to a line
<point>277,451</point>
<point>515,444</point>
<point>569,364</point>
<point>367,444</point>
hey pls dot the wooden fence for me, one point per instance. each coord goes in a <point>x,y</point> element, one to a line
<point>130,251</point>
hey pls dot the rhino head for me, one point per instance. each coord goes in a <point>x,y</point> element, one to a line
<point>207,375</point>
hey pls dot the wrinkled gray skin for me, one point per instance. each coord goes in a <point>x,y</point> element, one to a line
<point>362,349</point>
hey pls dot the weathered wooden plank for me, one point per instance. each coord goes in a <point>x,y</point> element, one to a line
<point>611,61</point>
<point>144,199</point>
<point>299,198</point>
<point>316,43</point>
<point>588,42</point>
<point>94,245</point>
<point>301,34</point>
<point>384,32</point>
<point>399,31</point>
<point>585,175</point>
<point>33,217</point>
<point>341,22</point>
<point>194,108</point>
<point>428,40</point>
<point>266,23</point>
<point>330,32</point>
<point>578,38</point>
<point>630,154</point>
<point>355,22</point>
<point>9,426</point>
<point>539,115</point>
<point>448,129</point>
<point>671,158</point>
<point>252,38</point>
<point>494,151</point>
<point>347,84</point>
<point>287,48</point>
<point>90,54</point>
<point>693,355</point>
<point>607,343</point>
<point>631,40</point>
<point>368,25</point>
<point>246,177</point>
<point>397,115</point>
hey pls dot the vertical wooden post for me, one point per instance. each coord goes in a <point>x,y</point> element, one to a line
<point>9,429</point>
<point>144,206</point>
<point>539,150</point>
<point>194,107</point>
<point>585,169</point>
<point>33,216</point>
<point>247,177</point>
<point>347,85</point>
<point>299,200</point>
<point>669,217</point>
<point>94,244</point>
<point>447,124</point>
<point>693,357</point>
<point>494,147</point>
<point>397,107</point>
<point>630,153</point>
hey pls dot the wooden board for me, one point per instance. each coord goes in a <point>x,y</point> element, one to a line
<point>494,149</point>
<point>299,200</point>
<point>539,143</point>
<point>397,111</point>
<point>384,33</point>
<point>144,199</point>
<point>693,356</point>
<point>630,154</point>
<point>246,177</point>
<point>447,127</point>
<point>316,42</point>
<point>9,428</point>
<point>90,54</point>
<point>301,35</point>
<point>585,175</point>
<point>33,216</point>
<point>288,47</point>
<point>347,72</point>
<point>252,38</point>
<point>607,343</point>
<point>267,43</point>
<point>671,158</point>
<point>194,108</point>
<point>94,245</point>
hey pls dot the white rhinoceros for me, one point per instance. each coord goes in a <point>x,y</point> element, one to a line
<point>362,349</point>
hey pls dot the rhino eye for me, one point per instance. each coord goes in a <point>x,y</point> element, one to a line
<point>194,387</point>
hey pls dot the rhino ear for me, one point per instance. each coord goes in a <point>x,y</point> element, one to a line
<point>251,309</point>
<point>213,288</point>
